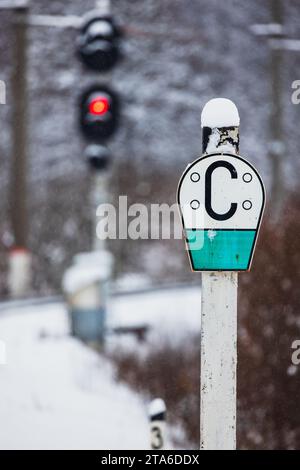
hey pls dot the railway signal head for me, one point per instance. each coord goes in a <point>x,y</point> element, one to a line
<point>98,42</point>
<point>99,113</point>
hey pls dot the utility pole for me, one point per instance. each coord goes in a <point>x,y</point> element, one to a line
<point>276,148</point>
<point>277,42</point>
<point>19,262</point>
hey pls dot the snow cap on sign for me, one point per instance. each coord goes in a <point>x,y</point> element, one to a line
<point>157,407</point>
<point>220,112</point>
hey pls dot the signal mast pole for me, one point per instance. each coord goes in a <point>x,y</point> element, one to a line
<point>100,192</point>
<point>97,48</point>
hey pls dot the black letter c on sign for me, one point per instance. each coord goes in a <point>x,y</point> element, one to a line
<point>208,176</point>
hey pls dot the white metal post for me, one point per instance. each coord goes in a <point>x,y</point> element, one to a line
<point>220,123</point>
<point>218,360</point>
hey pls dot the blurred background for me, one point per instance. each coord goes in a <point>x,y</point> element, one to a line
<point>175,57</point>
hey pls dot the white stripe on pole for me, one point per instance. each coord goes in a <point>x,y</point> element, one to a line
<point>220,121</point>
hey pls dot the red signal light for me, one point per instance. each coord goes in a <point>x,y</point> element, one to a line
<point>98,112</point>
<point>99,106</point>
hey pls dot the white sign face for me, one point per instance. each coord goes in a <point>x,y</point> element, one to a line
<point>220,196</point>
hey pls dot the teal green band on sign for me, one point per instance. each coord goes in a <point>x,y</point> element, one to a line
<point>228,250</point>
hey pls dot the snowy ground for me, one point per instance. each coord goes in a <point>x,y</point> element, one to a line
<point>58,394</point>
<point>170,313</point>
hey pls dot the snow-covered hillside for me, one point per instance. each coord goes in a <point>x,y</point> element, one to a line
<point>58,394</point>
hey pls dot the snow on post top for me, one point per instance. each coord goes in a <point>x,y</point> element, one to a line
<point>220,112</point>
<point>157,407</point>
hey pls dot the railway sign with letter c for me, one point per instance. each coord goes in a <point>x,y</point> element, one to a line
<point>221,199</point>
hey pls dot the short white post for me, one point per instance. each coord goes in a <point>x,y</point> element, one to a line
<point>220,124</point>
<point>19,273</point>
<point>157,417</point>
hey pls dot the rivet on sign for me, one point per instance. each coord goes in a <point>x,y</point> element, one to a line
<point>195,177</point>
<point>247,177</point>
<point>247,205</point>
<point>195,204</point>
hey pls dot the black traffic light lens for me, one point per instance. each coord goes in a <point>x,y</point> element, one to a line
<point>100,56</point>
<point>98,43</point>
<point>98,157</point>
